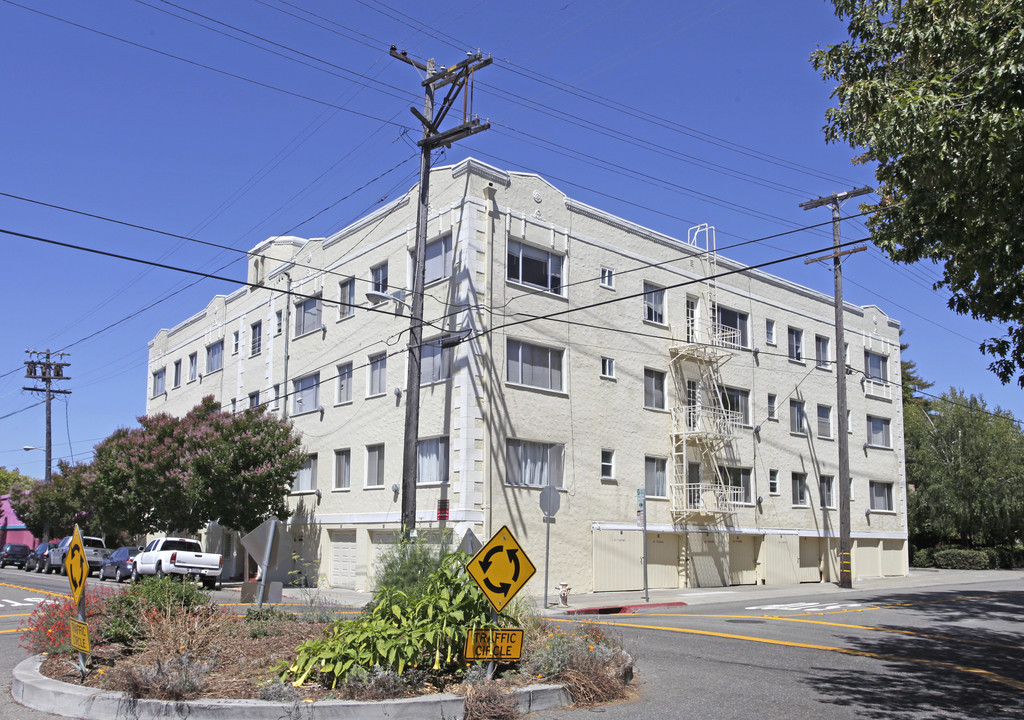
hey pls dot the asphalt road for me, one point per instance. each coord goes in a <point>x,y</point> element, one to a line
<point>949,652</point>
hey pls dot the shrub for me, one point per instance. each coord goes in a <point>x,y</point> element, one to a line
<point>407,565</point>
<point>261,622</point>
<point>923,558</point>
<point>1009,556</point>
<point>957,559</point>
<point>48,629</point>
<point>125,614</point>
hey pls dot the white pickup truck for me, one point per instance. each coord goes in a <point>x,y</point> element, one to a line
<point>178,556</point>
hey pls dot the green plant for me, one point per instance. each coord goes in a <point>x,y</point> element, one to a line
<point>261,622</point>
<point>957,559</point>
<point>407,565</point>
<point>48,629</point>
<point>124,618</point>
<point>399,630</point>
<point>923,558</point>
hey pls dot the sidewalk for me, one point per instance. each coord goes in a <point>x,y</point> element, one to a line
<point>580,603</point>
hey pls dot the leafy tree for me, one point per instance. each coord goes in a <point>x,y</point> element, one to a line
<point>59,503</point>
<point>965,463</point>
<point>11,478</point>
<point>932,90</point>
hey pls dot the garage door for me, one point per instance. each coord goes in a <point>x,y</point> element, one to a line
<point>743,551</point>
<point>892,558</point>
<point>343,559</point>
<point>866,560</point>
<point>618,560</point>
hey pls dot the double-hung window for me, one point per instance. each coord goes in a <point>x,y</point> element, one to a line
<point>346,299</point>
<point>435,362</point>
<point>193,366</point>
<point>654,303</point>
<point>255,338</point>
<point>737,404</point>
<point>800,489</point>
<point>737,479</point>
<point>826,487</point>
<point>796,344</point>
<point>656,476</point>
<point>773,482</point>
<point>344,383</point>
<point>379,278</point>
<point>881,496</point>
<point>438,263</point>
<point>878,432</point>
<point>432,461</point>
<point>159,378</point>
<point>306,394</point>
<point>821,358</point>
<point>307,316</point>
<point>607,277</point>
<point>305,478</point>
<point>342,469</point>
<point>533,266</point>
<point>607,367</point>
<point>377,384</point>
<point>254,399</point>
<point>215,357</point>
<point>824,421</point>
<point>177,373</point>
<point>654,389</point>
<point>769,332</point>
<point>773,413</point>
<point>534,365</point>
<point>375,465</point>
<point>607,464</point>
<point>534,463</point>
<point>797,419</point>
<point>876,366</point>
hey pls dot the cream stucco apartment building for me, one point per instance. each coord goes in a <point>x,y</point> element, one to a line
<point>565,346</point>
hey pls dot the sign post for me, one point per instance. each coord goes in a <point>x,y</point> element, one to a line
<point>77,568</point>
<point>550,501</point>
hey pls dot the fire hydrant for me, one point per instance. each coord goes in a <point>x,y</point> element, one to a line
<point>563,594</point>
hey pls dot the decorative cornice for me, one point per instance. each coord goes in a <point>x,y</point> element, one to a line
<point>487,172</point>
<point>370,219</point>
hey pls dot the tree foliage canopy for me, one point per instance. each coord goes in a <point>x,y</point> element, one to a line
<point>174,475</point>
<point>12,478</point>
<point>933,90</point>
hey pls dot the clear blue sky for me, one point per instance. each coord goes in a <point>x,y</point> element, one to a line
<point>276,117</point>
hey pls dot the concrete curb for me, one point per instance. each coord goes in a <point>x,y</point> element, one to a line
<point>620,609</point>
<point>32,689</point>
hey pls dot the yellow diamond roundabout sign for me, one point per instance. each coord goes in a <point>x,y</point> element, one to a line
<point>501,568</point>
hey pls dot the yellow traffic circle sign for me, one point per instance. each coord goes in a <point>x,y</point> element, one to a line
<point>501,568</point>
<point>504,644</point>
<point>80,636</point>
<point>76,565</point>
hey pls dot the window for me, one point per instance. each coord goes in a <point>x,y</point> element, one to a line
<point>654,389</point>
<point>234,343</point>
<point>379,278</point>
<point>691,319</point>
<point>655,480</point>
<point>769,332</point>
<point>773,413</point>
<point>344,383</point>
<point>738,482</point>
<point>375,465</point>
<point>177,373</point>
<point>607,367</point>
<point>255,338</point>
<point>305,478</point>
<point>826,484</point>
<point>533,365</point>
<point>654,303</point>
<point>796,344</point>
<point>307,317</point>
<point>876,366</point>
<point>342,469</point>
<point>306,394</point>
<point>881,496</point>
<point>432,461</point>
<point>878,432</point>
<point>799,489</point>
<point>693,486</point>
<point>773,482</point>
<point>607,464</point>
<point>607,277</point>
<point>278,322</point>
<point>532,266</point>
<point>158,382</point>
<point>438,260</point>
<point>435,363</point>
<point>797,421</point>
<point>731,327</point>
<point>824,421</point>
<point>378,375</point>
<point>346,299</point>
<point>193,366</point>
<point>254,400</point>
<point>737,404</point>
<point>215,357</point>
<point>277,396</point>
<point>821,357</point>
<point>534,463</point>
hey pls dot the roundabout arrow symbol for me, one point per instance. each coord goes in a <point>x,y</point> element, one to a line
<point>502,588</point>
<point>513,556</point>
<point>486,563</point>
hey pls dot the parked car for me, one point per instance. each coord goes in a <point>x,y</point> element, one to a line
<point>119,564</point>
<point>178,556</point>
<point>14,554</point>
<point>95,553</point>
<point>37,557</point>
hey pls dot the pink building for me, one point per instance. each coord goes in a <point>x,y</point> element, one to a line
<point>12,529</point>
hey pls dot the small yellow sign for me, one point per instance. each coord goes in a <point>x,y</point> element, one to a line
<point>76,565</point>
<point>494,644</point>
<point>80,636</point>
<point>501,568</point>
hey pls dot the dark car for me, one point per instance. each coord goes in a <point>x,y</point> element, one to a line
<point>14,554</point>
<point>38,556</point>
<point>118,564</point>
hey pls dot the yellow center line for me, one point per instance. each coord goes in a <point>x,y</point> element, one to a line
<point>995,677</point>
<point>35,590</point>
<point>10,631</point>
<point>19,615</point>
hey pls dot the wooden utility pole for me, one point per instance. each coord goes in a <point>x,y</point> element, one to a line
<point>845,545</point>
<point>455,78</point>
<point>41,366</point>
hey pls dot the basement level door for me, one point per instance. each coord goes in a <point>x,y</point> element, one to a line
<point>618,560</point>
<point>343,559</point>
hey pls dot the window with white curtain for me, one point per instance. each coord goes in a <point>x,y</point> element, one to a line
<point>193,366</point>
<point>654,389</point>
<point>215,357</point>
<point>307,316</point>
<point>654,303</point>
<point>375,465</point>
<point>344,383</point>
<point>346,299</point>
<point>876,366</point>
<point>878,432</point>
<point>435,362</point>
<point>342,469</point>
<point>438,263</point>
<point>534,365</point>
<point>797,418</point>
<point>379,278</point>
<point>800,489</point>
<point>826,485</point>
<point>305,478</point>
<point>378,375</point>
<point>655,476</point>
<point>159,378</point>
<point>306,394</point>
<point>533,266</point>
<point>534,463</point>
<point>881,496</point>
<point>796,344</point>
<point>255,338</point>
<point>432,461</point>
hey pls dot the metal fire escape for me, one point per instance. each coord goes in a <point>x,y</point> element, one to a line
<point>702,426</point>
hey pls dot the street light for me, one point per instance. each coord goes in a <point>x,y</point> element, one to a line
<point>397,296</point>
